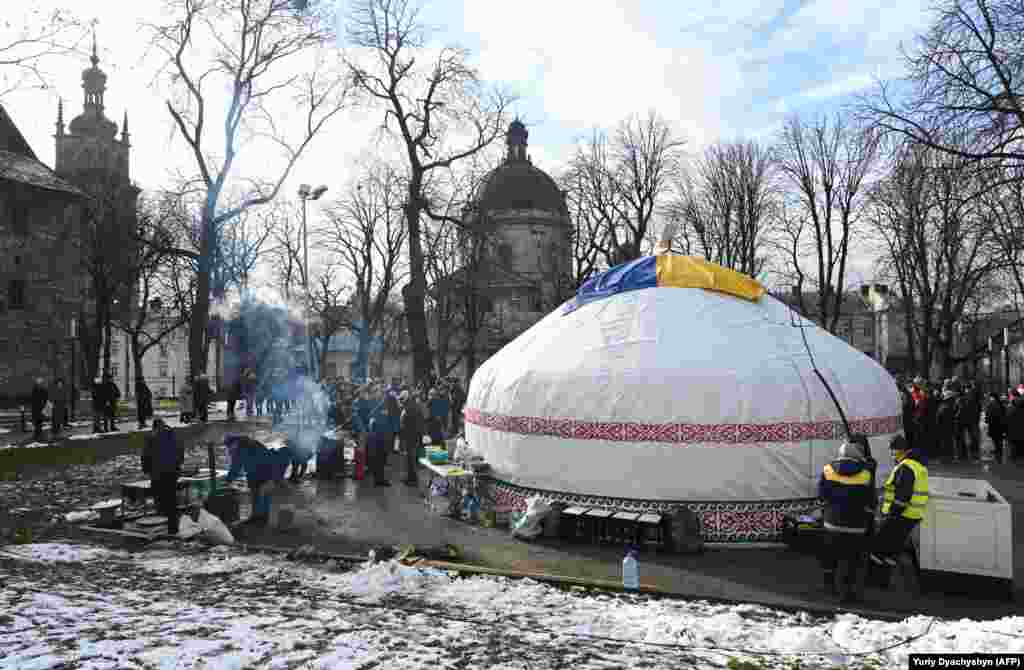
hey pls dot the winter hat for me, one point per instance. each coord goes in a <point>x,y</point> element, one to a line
<point>851,450</point>
<point>899,443</point>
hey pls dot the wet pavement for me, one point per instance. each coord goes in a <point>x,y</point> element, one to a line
<point>350,516</point>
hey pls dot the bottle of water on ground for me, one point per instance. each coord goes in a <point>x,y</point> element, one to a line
<point>631,571</point>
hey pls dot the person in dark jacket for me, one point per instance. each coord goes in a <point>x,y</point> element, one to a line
<point>847,487</point>
<point>202,398</point>
<point>60,407</point>
<point>98,405</point>
<point>111,394</point>
<point>381,437</point>
<point>458,399</point>
<point>1015,428</point>
<point>968,414</point>
<point>412,429</point>
<point>143,402</point>
<point>234,395</point>
<point>948,446</point>
<point>904,503</point>
<point>162,459</point>
<point>995,417</point>
<point>40,396</point>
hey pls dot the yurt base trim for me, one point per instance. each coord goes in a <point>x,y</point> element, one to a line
<point>721,522</point>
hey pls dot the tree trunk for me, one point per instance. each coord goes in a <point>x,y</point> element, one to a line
<point>201,308</point>
<point>415,293</point>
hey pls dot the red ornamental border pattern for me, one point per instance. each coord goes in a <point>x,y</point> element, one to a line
<point>720,521</point>
<point>680,433</point>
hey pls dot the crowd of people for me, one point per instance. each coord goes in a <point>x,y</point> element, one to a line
<point>943,420</point>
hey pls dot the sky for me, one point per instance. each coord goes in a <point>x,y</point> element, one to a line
<point>723,70</point>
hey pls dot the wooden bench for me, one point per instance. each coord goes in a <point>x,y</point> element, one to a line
<point>601,525</point>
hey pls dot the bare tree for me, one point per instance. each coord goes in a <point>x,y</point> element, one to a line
<point>285,250</point>
<point>158,311</point>
<point>365,232</point>
<point>938,243</point>
<point>964,75</point>
<point>1003,198</point>
<point>331,313</point>
<point>620,182</point>
<point>259,52</point>
<point>726,205</point>
<point>826,166</point>
<point>587,227</point>
<point>26,44</point>
<point>427,100</point>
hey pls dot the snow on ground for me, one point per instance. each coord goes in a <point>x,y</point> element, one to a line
<point>78,606</point>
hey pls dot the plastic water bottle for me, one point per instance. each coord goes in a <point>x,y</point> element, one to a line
<point>630,571</point>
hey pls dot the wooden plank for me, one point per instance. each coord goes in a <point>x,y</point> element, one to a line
<point>127,534</point>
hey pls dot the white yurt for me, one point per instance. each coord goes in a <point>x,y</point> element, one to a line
<point>672,381</point>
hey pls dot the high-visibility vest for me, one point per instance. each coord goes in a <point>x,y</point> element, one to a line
<point>919,500</point>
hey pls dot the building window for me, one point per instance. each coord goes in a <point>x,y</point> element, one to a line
<point>516,304</point>
<point>163,351</point>
<point>115,347</point>
<point>16,294</point>
<point>163,369</point>
<point>869,328</point>
<point>115,371</point>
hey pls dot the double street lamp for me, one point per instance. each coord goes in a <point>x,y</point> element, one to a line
<point>305,195</point>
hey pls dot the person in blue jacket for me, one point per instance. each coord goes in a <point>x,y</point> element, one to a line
<point>262,466</point>
<point>847,486</point>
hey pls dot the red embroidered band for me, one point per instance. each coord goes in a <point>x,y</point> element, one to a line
<point>680,433</point>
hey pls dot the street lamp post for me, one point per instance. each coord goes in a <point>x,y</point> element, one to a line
<point>72,335</point>
<point>306,194</point>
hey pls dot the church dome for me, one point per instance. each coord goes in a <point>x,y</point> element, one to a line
<point>520,185</point>
<point>516,183</point>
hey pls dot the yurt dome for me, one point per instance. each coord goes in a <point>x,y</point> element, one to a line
<point>672,381</point>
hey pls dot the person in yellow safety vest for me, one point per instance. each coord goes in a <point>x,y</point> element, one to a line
<point>904,502</point>
<point>847,487</point>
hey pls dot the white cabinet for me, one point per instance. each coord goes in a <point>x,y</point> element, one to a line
<point>967,529</point>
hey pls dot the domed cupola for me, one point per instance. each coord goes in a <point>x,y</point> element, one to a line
<point>92,120</point>
<point>516,184</point>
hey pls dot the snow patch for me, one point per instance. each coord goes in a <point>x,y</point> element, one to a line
<point>58,552</point>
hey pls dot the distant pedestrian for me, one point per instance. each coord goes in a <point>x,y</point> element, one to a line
<point>1015,428</point>
<point>202,393</point>
<point>98,405</point>
<point>458,401</point>
<point>162,460</point>
<point>186,402</point>
<point>143,402</point>
<point>995,417</point>
<point>111,394</point>
<point>40,396</point>
<point>381,437</point>
<point>234,395</point>
<point>413,425</point>
<point>60,407</point>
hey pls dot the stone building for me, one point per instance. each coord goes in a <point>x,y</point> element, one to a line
<point>870,320</point>
<point>41,218</point>
<point>516,249</point>
<point>90,155</point>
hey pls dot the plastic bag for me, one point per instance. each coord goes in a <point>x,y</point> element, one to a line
<point>214,529</point>
<point>187,528</point>
<point>531,524</point>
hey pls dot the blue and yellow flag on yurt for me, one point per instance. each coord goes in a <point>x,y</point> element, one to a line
<point>666,271</point>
